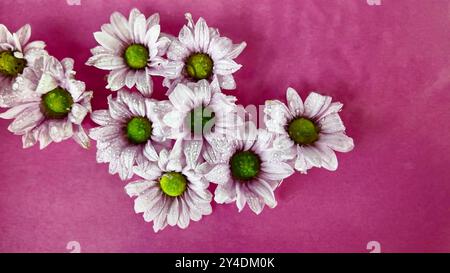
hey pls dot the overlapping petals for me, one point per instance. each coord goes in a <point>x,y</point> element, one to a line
<point>188,98</point>
<point>258,191</point>
<point>115,37</point>
<point>161,208</point>
<point>199,38</point>
<point>325,114</point>
<point>17,43</point>
<point>46,74</point>
<point>112,145</point>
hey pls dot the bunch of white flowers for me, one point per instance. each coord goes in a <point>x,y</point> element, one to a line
<point>177,146</point>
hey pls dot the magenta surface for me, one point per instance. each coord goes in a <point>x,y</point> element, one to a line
<point>389,65</point>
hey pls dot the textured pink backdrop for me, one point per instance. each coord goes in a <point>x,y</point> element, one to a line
<point>388,64</point>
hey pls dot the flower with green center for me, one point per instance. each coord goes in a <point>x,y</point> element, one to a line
<point>199,118</point>
<point>313,130</point>
<point>199,66</point>
<point>128,131</point>
<point>204,55</point>
<point>132,49</point>
<point>57,103</point>
<point>246,169</point>
<point>139,130</point>
<point>47,114</point>
<point>173,184</point>
<point>303,131</point>
<point>171,190</point>
<point>136,56</point>
<point>17,56</point>
<point>245,165</point>
<point>11,66</point>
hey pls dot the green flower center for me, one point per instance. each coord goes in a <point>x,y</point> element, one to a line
<point>173,184</point>
<point>245,165</point>
<point>10,66</point>
<point>136,56</point>
<point>199,66</point>
<point>57,103</point>
<point>139,130</point>
<point>199,118</point>
<point>303,131</point>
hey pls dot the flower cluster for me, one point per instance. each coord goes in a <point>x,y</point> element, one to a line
<point>41,93</point>
<point>178,146</point>
<point>198,136</point>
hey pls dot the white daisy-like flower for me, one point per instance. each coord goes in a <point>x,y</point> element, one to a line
<point>17,55</point>
<point>312,130</point>
<point>128,131</point>
<point>132,49</point>
<point>173,190</point>
<point>55,104</point>
<point>199,112</point>
<point>201,53</point>
<point>247,170</point>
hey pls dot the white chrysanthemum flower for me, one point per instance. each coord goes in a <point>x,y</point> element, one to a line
<point>199,112</point>
<point>128,131</point>
<point>132,49</point>
<point>172,191</point>
<point>312,130</point>
<point>200,53</point>
<point>16,57</point>
<point>54,106</point>
<point>247,170</point>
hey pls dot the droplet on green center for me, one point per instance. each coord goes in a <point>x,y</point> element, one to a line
<point>10,66</point>
<point>136,56</point>
<point>199,66</point>
<point>139,130</point>
<point>57,103</point>
<point>199,118</point>
<point>173,184</point>
<point>303,131</point>
<point>245,165</point>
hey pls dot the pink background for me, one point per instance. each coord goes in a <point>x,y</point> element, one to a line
<point>388,64</point>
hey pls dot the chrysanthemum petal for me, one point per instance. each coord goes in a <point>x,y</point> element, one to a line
<point>144,83</point>
<point>152,35</point>
<point>220,174</point>
<point>102,117</point>
<point>314,103</point>
<point>329,159</point>
<point>136,188</point>
<point>127,158</point>
<point>226,67</point>
<point>264,190</point>
<point>338,142</point>
<point>227,82</point>
<point>24,34</point>
<point>183,218</point>
<point>331,124</point>
<point>201,35</point>
<point>236,50</point>
<point>219,47</point>
<point>81,137</point>
<point>77,113</point>
<point>276,170</point>
<point>295,102</point>
<point>182,98</point>
<point>177,51</point>
<point>26,120</point>
<point>120,24</point>
<point>118,110</point>
<point>116,79</point>
<point>107,41</point>
<point>174,211</point>
<point>187,38</point>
